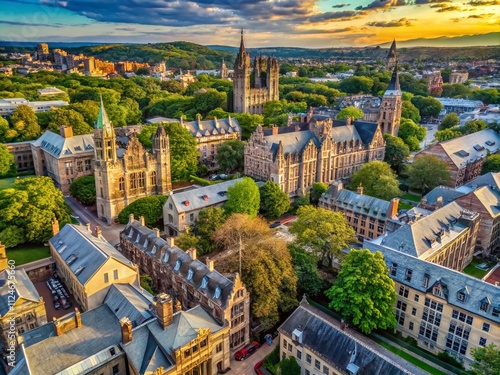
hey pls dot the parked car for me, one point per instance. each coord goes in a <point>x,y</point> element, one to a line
<point>65,304</point>
<point>245,352</point>
<point>57,305</point>
<point>275,224</point>
<point>257,367</point>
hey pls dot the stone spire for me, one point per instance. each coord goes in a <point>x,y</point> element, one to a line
<point>242,43</point>
<point>391,55</point>
<point>394,84</point>
<point>102,119</point>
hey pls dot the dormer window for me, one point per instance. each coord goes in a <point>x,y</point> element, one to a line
<point>484,305</point>
<point>426,280</point>
<point>190,274</point>
<point>138,237</point>
<point>461,296</point>
<point>166,256</point>
<point>394,269</point>
<point>146,244</point>
<point>130,234</point>
<point>153,250</point>
<point>204,282</point>
<point>177,265</point>
<point>79,270</point>
<point>217,292</point>
<point>437,291</point>
<point>408,274</point>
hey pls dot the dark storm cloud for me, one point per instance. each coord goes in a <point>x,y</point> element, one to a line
<point>393,23</point>
<point>381,4</point>
<point>341,5</point>
<point>344,15</point>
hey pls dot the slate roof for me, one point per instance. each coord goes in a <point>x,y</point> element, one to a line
<point>491,179</point>
<point>489,198</point>
<point>125,300</point>
<point>196,198</point>
<point>292,143</point>
<point>448,194</point>
<point>78,247</point>
<point>469,148</point>
<point>335,346</point>
<point>23,288</point>
<point>454,281</point>
<point>420,238</point>
<point>157,248</point>
<point>207,128</point>
<point>58,146</point>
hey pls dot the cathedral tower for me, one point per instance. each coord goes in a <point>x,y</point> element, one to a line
<point>241,79</point>
<point>391,55</point>
<point>390,108</point>
<point>161,149</point>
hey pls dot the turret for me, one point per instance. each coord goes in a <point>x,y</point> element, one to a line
<point>104,137</point>
<point>391,55</point>
<point>161,148</point>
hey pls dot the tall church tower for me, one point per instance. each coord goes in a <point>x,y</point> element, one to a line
<point>241,79</point>
<point>390,108</point>
<point>161,149</point>
<point>391,55</point>
<point>273,78</point>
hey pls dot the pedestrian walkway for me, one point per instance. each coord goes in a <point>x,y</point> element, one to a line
<point>246,367</point>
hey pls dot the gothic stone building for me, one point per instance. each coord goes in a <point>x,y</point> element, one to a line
<point>250,97</point>
<point>189,281</point>
<point>124,170</point>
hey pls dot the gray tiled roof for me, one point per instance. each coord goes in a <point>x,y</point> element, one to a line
<point>125,300</point>
<point>448,194</point>
<point>157,248</point>
<point>453,280</point>
<point>491,179</point>
<point>336,346</point>
<point>59,146</point>
<point>489,198</point>
<point>292,143</point>
<point>23,288</point>
<point>207,128</point>
<point>196,199</point>
<point>417,238</point>
<point>77,245</point>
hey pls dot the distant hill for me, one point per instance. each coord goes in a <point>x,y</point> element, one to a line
<point>490,39</point>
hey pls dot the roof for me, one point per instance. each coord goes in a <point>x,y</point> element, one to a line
<point>426,235</point>
<point>102,119</point>
<point>489,198</point>
<point>203,197</point>
<point>208,128</point>
<point>453,281</point>
<point>193,272</point>
<point>47,353</point>
<point>159,119</point>
<point>58,146</point>
<point>127,301</point>
<point>21,288</point>
<point>50,91</point>
<point>292,143</point>
<point>491,179</point>
<point>84,253</point>
<point>323,337</point>
<point>393,88</point>
<point>469,148</point>
<point>493,276</point>
<point>448,194</point>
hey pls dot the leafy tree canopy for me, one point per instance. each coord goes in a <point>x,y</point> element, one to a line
<point>427,172</point>
<point>309,280</point>
<point>149,207</point>
<point>374,174</point>
<point>289,366</point>
<point>350,112</point>
<point>363,292</point>
<point>356,85</point>
<point>273,201</point>
<point>396,152</point>
<point>427,105</point>
<point>446,134</point>
<point>408,129</point>
<point>450,121</point>
<point>24,121</point>
<point>486,360</point>
<point>6,160</point>
<point>230,156</point>
<point>317,190</point>
<point>83,189</point>
<point>491,164</point>
<point>243,197</point>
<point>409,111</point>
<point>69,117</point>
<point>248,123</point>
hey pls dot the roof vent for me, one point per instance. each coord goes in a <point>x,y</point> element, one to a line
<point>186,203</point>
<point>205,197</point>
<point>478,148</point>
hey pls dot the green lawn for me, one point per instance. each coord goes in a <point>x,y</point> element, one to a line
<point>28,253</point>
<point>405,206</point>
<point>411,197</point>
<point>424,366</point>
<point>472,270</point>
<point>6,183</point>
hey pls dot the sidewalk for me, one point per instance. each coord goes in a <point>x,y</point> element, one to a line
<point>246,367</point>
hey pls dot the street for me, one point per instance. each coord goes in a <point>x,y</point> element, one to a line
<point>246,367</point>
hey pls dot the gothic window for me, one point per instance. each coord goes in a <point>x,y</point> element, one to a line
<point>141,179</point>
<point>122,184</point>
<point>88,165</point>
<point>133,181</point>
<point>152,177</point>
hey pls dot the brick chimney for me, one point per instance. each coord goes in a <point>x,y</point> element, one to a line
<point>55,226</point>
<point>66,131</point>
<point>164,309</point>
<point>130,218</point>
<point>210,264</point>
<point>359,190</point>
<point>4,261</point>
<point>192,253</point>
<point>98,232</point>
<point>126,328</point>
<point>88,227</point>
<point>274,130</point>
<point>157,232</point>
<point>393,207</point>
<point>142,221</point>
<point>170,241</point>
<point>67,322</point>
<point>439,202</point>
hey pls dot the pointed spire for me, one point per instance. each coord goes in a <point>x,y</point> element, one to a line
<point>392,50</point>
<point>394,84</point>
<point>242,43</point>
<point>102,118</point>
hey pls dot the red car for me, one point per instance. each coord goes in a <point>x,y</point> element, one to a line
<point>245,352</point>
<point>257,367</point>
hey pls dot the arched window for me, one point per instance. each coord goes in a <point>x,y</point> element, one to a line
<point>133,181</point>
<point>122,184</point>
<point>153,178</point>
<point>141,179</point>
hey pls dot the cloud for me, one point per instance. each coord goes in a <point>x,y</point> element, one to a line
<point>340,5</point>
<point>455,19</point>
<point>381,4</point>
<point>393,23</point>
<point>344,15</point>
<point>484,15</point>
<point>445,8</point>
<point>325,31</point>
<point>484,2</point>
<point>423,2</point>
<point>32,24</point>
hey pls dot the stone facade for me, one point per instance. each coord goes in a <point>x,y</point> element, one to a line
<point>125,171</point>
<point>458,77</point>
<point>250,97</point>
<point>23,157</point>
<point>188,280</point>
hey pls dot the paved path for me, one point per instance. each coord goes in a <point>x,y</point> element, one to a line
<point>246,367</point>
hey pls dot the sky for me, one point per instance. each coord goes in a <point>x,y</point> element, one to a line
<point>288,23</point>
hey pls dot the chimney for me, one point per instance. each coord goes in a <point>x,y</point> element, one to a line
<point>130,218</point>
<point>310,114</point>
<point>393,207</point>
<point>57,326</point>
<point>439,202</point>
<point>192,253</point>
<point>164,309</point>
<point>78,318</point>
<point>126,327</point>
<point>66,131</point>
<point>157,232</point>
<point>210,264</point>
<point>98,232</point>
<point>55,226</point>
<point>4,261</point>
<point>274,130</point>
<point>141,220</point>
<point>359,190</point>
<point>348,121</point>
<point>170,241</point>
<point>88,227</point>
<point>336,187</point>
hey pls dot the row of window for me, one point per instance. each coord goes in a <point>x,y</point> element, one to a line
<point>317,363</point>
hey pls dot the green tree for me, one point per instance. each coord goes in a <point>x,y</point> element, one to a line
<point>363,292</point>
<point>356,85</point>
<point>83,189</point>
<point>325,232</point>
<point>25,122</point>
<point>374,175</point>
<point>248,123</point>
<point>4,128</point>
<point>172,86</point>
<point>427,172</point>
<point>6,160</point>
<point>147,283</point>
<point>309,280</point>
<point>88,109</point>
<point>289,366</point>
<point>486,360</point>
<point>428,106</point>
<point>396,152</point>
<point>411,133</point>
<point>209,220</point>
<point>204,102</point>
<point>473,126</point>
<point>273,201</point>
<point>317,190</point>
<point>409,111</point>
<point>27,210</point>
<point>446,134</point>
<point>488,96</point>
<point>350,112</point>
<point>230,156</point>
<point>188,240</point>
<point>450,121</point>
<point>243,197</point>
<point>412,85</point>
<point>491,164</point>
<point>149,207</point>
<point>266,265</point>
<point>69,117</point>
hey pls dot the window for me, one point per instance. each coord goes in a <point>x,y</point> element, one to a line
<point>410,326</point>
<point>426,280</point>
<point>133,181</point>
<point>408,274</point>
<point>417,297</point>
<point>283,355</point>
<point>115,274</point>
<point>106,278</point>
<point>203,343</point>
<point>177,265</point>
<point>191,217</point>
<point>122,184</point>
<point>496,311</point>
<point>88,165</point>
<point>482,341</point>
<point>308,358</point>
<point>484,306</point>
<point>289,347</point>
<point>21,330</point>
<point>308,372</point>
<point>394,269</point>
<point>204,282</point>
<point>141,179</point>
<point>461,296</point>
<point>486,327</point>
<point>317,364</point>
<point>190,274</point>
<point>116,369</point>
<point>403,291</point>
<point>218,348</point>
<point>187,353</point>
<point>326,370</point>
<point>299,355</point>
<point>414,311</point>
<point>152,178</point>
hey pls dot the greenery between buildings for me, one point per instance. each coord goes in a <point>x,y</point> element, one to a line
<point>27,253</point>
<point>83,189</point>
<point>272,360</point>
<point>149,207</point>
<point>479,273</point>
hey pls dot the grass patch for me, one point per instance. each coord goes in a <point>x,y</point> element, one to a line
<point>424,366</point>
<point>23,254</point>
<point>8,182</point>
<point>411,197</point>
<point>471,269</point>
<point>405,206</point>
